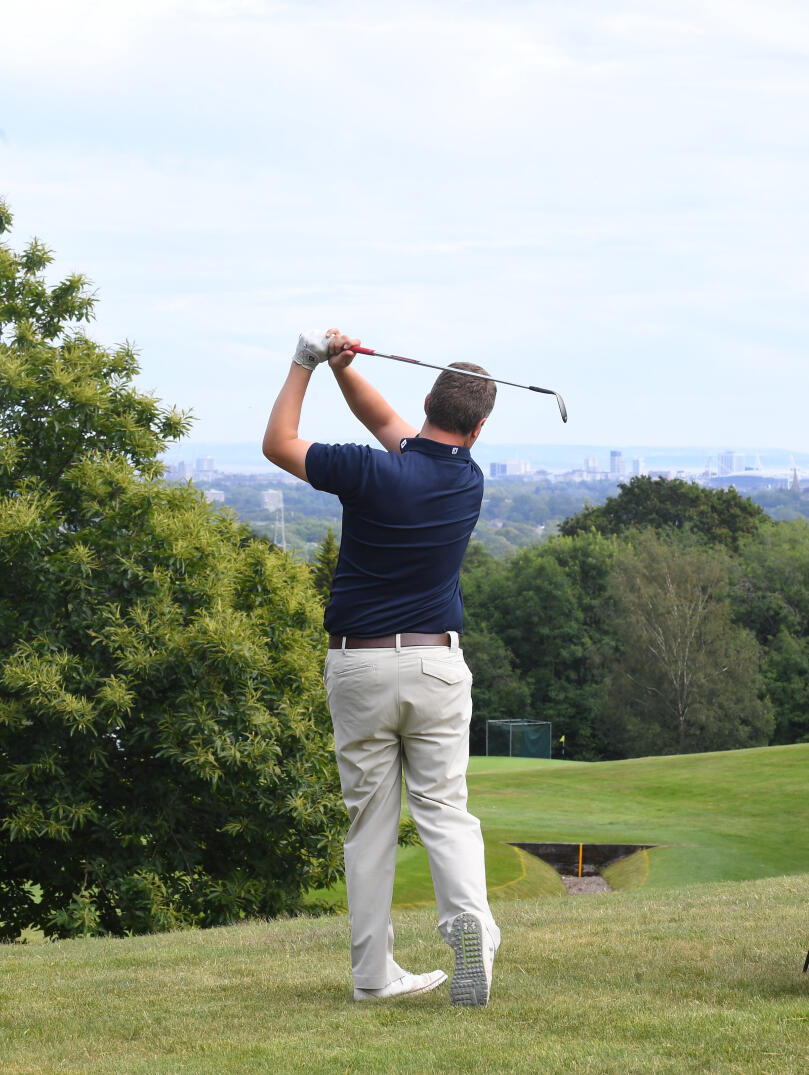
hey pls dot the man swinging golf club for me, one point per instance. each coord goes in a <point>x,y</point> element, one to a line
<point>399,690</point>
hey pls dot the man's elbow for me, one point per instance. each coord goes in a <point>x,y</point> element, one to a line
<point>276,450</point>
<point>270,450</point>
<point>288,455</point>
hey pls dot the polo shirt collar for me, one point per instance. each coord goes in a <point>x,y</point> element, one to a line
<point>434,448</point>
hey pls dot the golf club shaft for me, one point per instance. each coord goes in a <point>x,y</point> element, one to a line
<point>467,373</point>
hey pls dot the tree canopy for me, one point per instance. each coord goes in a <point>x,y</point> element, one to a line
<point>719,516</point>
<point>165,750</point>
<point>541,614</point>
<point>771,597</point>
<point>683,677</point>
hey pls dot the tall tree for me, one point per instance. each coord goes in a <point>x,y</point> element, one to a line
<point>546,606</point>
<point>498,690</point>
<point>771,598</point>
<point>685,677</point>
<point>164,738</point>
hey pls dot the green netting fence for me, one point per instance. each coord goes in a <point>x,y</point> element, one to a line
<point>518,738</point>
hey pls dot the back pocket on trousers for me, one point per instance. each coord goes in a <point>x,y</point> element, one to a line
<point>446,671</point>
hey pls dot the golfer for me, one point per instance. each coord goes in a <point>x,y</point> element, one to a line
<point>399,690</point>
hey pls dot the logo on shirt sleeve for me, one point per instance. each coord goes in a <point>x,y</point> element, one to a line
<point>402,444</point>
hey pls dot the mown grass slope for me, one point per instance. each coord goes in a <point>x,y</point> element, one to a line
<point>734,815</point>
<point>697,979</point>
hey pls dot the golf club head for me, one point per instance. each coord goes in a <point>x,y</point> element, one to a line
<point>550,392</point>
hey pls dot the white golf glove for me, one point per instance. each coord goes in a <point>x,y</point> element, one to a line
<point>312,349</point>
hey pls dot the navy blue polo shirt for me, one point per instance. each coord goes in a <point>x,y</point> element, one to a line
<point>407,520</point>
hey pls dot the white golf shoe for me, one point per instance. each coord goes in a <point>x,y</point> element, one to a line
<point>407,985</point>
<point>474,956</point>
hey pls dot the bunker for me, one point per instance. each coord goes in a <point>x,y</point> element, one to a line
<point>581,860</point>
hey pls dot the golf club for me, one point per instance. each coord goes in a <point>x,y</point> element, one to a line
<point>468,373</point>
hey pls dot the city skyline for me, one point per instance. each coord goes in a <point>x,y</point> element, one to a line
<point>519,460</point>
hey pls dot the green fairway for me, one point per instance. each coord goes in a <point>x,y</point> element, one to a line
<point>700,979</point>
<point>727,816</point>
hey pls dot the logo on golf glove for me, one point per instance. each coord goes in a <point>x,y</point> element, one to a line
<point>312,349</point>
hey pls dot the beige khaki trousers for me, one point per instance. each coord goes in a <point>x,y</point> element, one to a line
<point>404,710</point>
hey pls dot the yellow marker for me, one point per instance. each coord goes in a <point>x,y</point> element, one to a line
<point>581,855</point>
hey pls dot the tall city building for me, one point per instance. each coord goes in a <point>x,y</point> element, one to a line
<point>730,463</point>
<point>638,467</point>
<point>204,468</point>
<point>180,471</point>
<point>617,464</point>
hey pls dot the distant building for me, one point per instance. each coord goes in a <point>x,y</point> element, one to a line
<point>638,467</point>
<point>204,469</point>
<point>730,463</point>
<point>215,496</point>
<point>179,472</point>
<point>512,468</point>
<point>617,464</point>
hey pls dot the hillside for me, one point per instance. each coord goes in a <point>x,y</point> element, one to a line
<point>698,969</point>
<point>728,816</point>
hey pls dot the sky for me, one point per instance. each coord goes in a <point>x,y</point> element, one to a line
<point>607,199</point>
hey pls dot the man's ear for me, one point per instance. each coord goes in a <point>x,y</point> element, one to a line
<point>473,436</point>
<point>426,402</point>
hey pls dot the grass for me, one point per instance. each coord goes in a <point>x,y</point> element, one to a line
<point>697,979</point>
<point>734,815</point>
<point>728,816</point>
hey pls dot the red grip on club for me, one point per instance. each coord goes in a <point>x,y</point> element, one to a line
<point>362,350</point>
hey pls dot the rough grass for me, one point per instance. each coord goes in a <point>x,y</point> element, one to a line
<point>699,979</point>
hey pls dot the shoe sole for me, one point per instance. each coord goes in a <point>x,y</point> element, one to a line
<point>470,982</point>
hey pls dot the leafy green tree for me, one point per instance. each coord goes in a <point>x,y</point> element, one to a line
<point>546,607</point>
<point>165,752</point>
<point>771,598</point>
<point>685,678</point>
<point>498,690</point>
<point>719,516</point>
<point>325,564</point>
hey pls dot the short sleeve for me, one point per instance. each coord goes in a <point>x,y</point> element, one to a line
<point>337,468</point>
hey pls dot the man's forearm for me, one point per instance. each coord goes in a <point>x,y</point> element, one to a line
<point>365,402</point>
<point>282,445</point>
<point>371,408</point>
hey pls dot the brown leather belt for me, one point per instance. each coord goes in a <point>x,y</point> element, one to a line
<point>389,641</point>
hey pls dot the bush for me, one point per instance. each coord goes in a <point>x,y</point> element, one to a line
<point>165,750</point>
